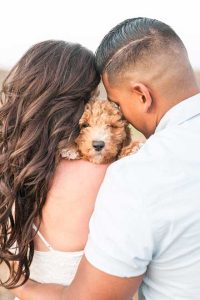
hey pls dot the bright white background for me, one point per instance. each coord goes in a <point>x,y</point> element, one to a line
<point>25,22</point>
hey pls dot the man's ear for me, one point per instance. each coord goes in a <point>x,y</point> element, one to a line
<point>144,96</point>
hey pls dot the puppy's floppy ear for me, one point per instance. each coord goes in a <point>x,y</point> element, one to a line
<point>128,137</point>
<point>86,113</point>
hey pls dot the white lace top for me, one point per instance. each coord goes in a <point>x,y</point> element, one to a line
<point>54,266</point>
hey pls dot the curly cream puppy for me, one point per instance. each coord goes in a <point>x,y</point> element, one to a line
<point>104,134</point>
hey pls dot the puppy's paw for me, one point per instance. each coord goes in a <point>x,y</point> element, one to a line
<point>132,148</point>
<point>70,153</point>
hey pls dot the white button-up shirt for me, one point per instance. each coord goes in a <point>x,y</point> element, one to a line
<point>147,214</point>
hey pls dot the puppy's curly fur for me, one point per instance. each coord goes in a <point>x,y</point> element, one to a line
<point>104,135</point>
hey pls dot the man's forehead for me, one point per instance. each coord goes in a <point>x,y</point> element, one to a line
<point>105,79</point>
<point>107,85</point>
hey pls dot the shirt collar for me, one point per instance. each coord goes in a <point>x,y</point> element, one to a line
<point>180,113</point>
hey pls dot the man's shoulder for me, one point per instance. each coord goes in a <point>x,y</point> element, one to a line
<point>148,167</point>
<point>153,150</point>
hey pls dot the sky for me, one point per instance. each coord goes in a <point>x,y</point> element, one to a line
<point>26,22</point>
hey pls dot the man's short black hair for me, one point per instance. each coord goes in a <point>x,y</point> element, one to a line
<point>131,40</point>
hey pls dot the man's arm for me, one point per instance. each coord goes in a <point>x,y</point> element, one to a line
<point>89,284</point>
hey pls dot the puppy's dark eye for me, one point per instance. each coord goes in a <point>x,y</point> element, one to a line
<point>85,125</point>
<point>113,126</point>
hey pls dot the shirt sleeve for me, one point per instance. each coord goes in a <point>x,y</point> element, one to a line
<point>120,242</point>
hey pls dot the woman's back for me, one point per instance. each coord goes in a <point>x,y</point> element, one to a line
<point>65,220</point>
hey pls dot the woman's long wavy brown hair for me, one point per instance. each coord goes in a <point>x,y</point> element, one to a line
<point>42,100</point>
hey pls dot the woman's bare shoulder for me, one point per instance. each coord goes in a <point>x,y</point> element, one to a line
<point>73,174</point>
<point>82,163</point>
<point>80,167</point>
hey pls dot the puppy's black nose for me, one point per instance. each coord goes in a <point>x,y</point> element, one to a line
<point>98,145</point>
